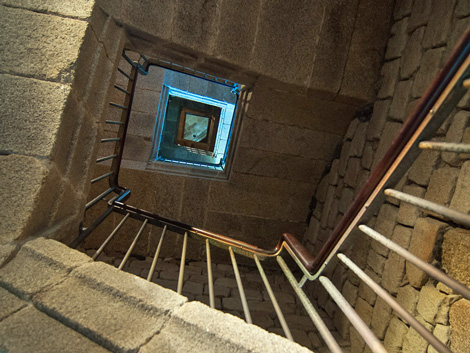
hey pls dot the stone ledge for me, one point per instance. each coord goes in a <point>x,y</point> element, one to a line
<point>29,330</point>
<point>115,309</point>
<point>9,304</point>
<point>195,327</point>
<point>39,264</point>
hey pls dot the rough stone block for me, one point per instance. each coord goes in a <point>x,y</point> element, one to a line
<point>400,101</point>
<point>456,254</point>
<point>352,172</point>
<point>365,53</point>
<point>30,128</point>
<point>193,288</point>
<point>393,273</point>
<point>357,342</point>
<point>280,42</point>
<point>364,310</point>
<point>9,304</point>
<point>350,292</point>
<point>381,318</point>
<point>274,137</point>
<point>299,109</point>
<point>327,206</point>
<point>251,294</point>
<point>332,48</point>
<point>402,236</point>
<point>386,141</point>
<point>414,342</point>
<point>402,9</point>
<point>147,17</point>
<point>196,327</point>
<point>333,214</point>
<point>358,140</point>
<point>430,65</point>
<point>408,298</point>
<point>442,333</point>
<point>347,197</point>
<point>368,156</point>
<point>422,168</point>
<point>351,129</point>
<point>39,264</point>
<point>459,318</point>
<point>397,43</point>
<point>104,303</point>
<point>50,59</point>
<point>30,330</point>
<point>413,53</point>
<point>455,134</point>
<point>420,13</point>
<point>408,214</point>
<point>24,183</point>
<point>462,9</point>
<point>376,261</point>
<point>460,200</point>
<point>333,175</point>
<point>439,24</point>
<point>365,291</point>
<point>395,335</point>
<point>377,122</point>
<point>385,224</point>
<point>237,30</point>
<point>425,234</point>
<point>430,300</point>
<point>390,73</point>
<point>277,165</point>
<point>442,185</point>
<point>66,8</point>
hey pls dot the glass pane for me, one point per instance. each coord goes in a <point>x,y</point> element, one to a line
<point>196,127</point>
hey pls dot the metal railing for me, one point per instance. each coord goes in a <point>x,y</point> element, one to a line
<point>434,107</point>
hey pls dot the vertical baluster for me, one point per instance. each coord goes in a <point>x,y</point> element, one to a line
<point>157,252</point>
<point>129,251</point>
<point>240,287</point>
<point>111,236</point>
<point>209,275</point>
<point>314,316</point>
<point>183,260</point>
<point>361,327</point>
<point>282,320</point>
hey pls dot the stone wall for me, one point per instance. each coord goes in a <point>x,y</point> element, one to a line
<point>55,69</point>
<point>317,46</point>
<point>421,39</point>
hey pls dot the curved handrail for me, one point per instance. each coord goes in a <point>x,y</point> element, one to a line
<point>219,240</point>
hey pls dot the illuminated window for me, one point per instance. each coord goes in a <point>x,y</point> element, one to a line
<point>195,122</point>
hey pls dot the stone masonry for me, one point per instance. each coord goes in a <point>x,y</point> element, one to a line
<point>55,299</point>
<point>422,36</point>
<point>57,67</point>
<point>227,297</point>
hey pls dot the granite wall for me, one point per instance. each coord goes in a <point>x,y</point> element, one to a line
<point>423,34</point>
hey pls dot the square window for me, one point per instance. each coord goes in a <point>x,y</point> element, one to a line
<point>195,123</point>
